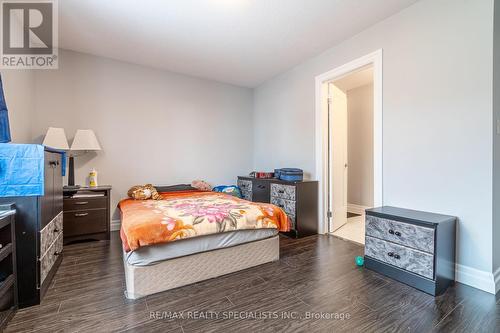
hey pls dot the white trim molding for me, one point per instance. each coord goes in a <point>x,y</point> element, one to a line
<point>115,225</point>
<point>321,127</point>
<point>496,279</point>
<point>357,209</point>
<point>477,278</point>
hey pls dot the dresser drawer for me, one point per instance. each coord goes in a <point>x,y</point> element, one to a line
<point>85,222</point>
<point>50,257</point>
<point>287,205</point>
<point>283,191</point>
<point>84,203</point>
<point>245,185</point>
<point>293,223</point>
<point>247,195</point>
<point>414,261</point>
<point>410,235</point>
<point>260,190</point>
<point>50,233</point>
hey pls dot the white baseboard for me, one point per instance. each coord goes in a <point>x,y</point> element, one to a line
<point>478,279</point>
<point>115,225</point>
<point>357,209</point>
<point>496,278</point>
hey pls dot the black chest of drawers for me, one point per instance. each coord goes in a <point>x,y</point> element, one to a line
<point>8,276</point>
<point>299,200</point>
<point>414,247</point>
<point>39,233</point>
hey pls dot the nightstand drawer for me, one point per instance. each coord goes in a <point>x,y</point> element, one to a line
<point>406,234</point>
<point>84,203</point>
<point>414,261</point>
<point>85,222</point>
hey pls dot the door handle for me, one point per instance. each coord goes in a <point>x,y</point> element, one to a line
<point>81,202</point>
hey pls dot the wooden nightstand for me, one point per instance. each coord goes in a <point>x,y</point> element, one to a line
<point>87,213</point>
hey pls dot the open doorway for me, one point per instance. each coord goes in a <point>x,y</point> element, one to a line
<point>350,119</point>
<point>329,158</point>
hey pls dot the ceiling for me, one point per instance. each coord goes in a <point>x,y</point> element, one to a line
<point>241,42</point>
<point>355,80</point>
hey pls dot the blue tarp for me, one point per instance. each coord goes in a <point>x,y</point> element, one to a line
<point>21,170</point>
<point>4,117</point>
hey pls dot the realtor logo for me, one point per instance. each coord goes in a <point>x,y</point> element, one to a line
<point>29,34</point>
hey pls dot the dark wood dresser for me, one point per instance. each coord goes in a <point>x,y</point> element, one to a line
<point>414,247</point>
<point>39,233</point>
<point>299,200</point>
<point>87,213</point>
<point>8,275</point>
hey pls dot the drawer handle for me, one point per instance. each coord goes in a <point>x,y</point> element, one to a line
<point>56,253</point>
<point>390,254</point>
<point>56,230</point>
<point>81,214</point>
<point>81,202</point>
<point>396,256</point>
<point>281,191</point>
<point>392,232</point>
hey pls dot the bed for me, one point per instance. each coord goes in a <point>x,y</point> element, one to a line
<point>189,236</point>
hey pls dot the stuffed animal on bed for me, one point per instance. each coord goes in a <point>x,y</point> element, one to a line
<point>201,185</point>
<point>144,192</point>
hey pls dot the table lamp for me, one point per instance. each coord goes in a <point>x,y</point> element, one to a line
<point>56,138</point>
<point>84,141</point>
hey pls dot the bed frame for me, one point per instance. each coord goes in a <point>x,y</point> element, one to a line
<point>146,280</point>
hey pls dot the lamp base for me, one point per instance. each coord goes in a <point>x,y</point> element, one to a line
<point>71,187</point>
<point>71,173</point>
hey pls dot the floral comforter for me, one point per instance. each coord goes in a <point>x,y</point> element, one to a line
<point>189,214</point>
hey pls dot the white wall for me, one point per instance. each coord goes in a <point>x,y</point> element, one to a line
<point>360,145</point>
<point>19,90</point>
<point>154,126</point>
<point>437,118</point>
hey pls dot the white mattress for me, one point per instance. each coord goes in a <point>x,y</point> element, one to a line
<point>150,255</point>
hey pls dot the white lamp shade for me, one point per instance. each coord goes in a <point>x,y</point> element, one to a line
<point>85,140</point>
<point>56,138</point>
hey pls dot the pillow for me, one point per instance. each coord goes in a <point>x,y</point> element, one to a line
<point>175,188</point>
<point>231,190</point>
<point>143,192</point>
<point>201,185</point>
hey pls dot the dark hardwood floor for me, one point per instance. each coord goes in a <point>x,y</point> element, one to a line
<point>316,275</point>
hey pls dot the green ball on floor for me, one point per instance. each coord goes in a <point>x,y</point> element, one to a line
<point>359,260</point>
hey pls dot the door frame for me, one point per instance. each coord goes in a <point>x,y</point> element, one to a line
<point>375,59</point>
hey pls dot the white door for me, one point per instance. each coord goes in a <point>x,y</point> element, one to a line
<point>337,108</point>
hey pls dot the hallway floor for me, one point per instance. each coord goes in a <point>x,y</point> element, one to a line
<point>353,230</point>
